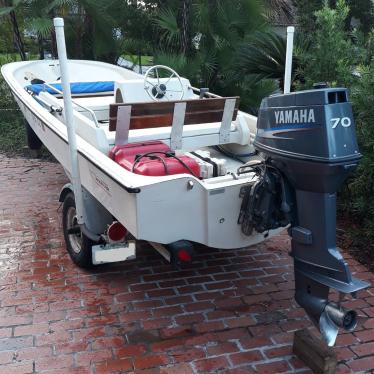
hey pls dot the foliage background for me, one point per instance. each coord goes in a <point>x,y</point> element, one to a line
<point>342,55</point>
<point>199,38</point>
<point>228,46</point>
<point>12,134</point>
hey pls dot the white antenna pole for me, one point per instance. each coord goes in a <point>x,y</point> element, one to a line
<point>69,117</point>
<point>289,52</point>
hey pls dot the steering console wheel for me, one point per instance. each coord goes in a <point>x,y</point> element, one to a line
<point>157,87</point>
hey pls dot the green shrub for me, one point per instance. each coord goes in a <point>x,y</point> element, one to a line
<point>331,55</point>
<point>341,58</point>
<point>360,199</point>
<point>12,129</point>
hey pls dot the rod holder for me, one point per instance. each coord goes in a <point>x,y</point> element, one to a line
<point>69,118</point>
<point>288,67</point>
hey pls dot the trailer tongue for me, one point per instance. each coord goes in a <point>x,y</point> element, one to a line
<point>309,147</point>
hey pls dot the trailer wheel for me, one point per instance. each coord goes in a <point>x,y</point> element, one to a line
<point>78,245</point>
<point>33,141</point>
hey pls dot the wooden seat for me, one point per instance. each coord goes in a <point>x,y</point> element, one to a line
<point>175,114</point>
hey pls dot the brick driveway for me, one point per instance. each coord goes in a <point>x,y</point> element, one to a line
<point>228,312</point>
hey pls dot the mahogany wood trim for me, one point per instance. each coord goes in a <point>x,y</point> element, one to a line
<point>160,114</point>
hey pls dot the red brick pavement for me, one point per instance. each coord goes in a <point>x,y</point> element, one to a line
<point>229,312</point>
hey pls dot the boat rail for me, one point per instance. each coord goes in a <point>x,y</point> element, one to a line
<point>209,94</point>
<point>52,108</point>
<point>77,104</point>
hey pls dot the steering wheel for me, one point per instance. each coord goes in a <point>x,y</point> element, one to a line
<point>157,88</point>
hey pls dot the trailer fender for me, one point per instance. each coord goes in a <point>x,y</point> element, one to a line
<point>68,187</point>
<point>97,218</point>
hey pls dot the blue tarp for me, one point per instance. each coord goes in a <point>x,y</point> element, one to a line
<point>76,88</point>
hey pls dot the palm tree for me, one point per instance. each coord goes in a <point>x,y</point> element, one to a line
<point>263,55</point>
<point>216,30</point>
<point>186,27</point>
<point>89,23</point>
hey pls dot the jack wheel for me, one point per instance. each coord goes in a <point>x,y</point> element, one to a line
<point>78,245</point>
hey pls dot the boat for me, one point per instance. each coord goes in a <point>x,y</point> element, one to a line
<point>164,212</point>
<point>153,158</point>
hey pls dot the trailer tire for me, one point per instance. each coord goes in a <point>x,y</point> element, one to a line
<point>33,141</point>
<point>78,245</point>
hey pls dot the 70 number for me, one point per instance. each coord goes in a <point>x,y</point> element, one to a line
<point>344,121</point>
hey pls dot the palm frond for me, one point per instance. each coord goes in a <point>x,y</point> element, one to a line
<point>263,55</point>
<point>168,23</point>
<point>176,61</point>
<point>5,11</point>
<point>58,4</point>
<point>203,15</point>
<point>280,11</point>
<point>252,91</point>
<point>41,26</point>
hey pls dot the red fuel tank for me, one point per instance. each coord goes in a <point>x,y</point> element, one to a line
<point>153,158</point>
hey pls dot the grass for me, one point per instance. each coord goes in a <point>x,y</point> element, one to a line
<point>13,136</point>
<point>11,57</point>
<point>12,130</point>
<point>146,60</point>
<point>8,57</point>
<point>13,141</point>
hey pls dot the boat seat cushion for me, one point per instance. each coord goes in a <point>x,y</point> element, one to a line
<point>75,87</point>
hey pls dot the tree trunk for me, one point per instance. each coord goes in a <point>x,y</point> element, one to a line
<point>185,20</point>
<point>17,35</point>
<point>140,61</point>
<point>53,36</point>
<point>41,47</point>
<point>88,48</point>
<point>53,44</point>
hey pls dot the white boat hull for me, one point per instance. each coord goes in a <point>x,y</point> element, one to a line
<point>164,210</point>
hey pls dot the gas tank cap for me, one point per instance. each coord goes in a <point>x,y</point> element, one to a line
<point>320,85</point>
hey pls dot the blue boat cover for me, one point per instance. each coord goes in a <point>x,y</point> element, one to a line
<point>76,87</point>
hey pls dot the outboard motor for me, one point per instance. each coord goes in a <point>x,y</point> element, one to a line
<point>309,146</point>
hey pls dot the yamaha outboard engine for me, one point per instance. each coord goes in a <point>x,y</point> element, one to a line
<point>308,143</point>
